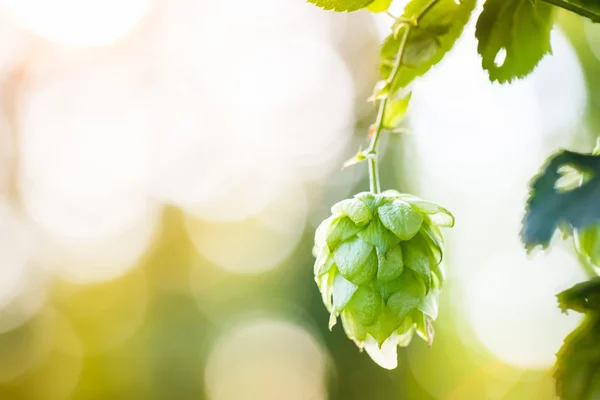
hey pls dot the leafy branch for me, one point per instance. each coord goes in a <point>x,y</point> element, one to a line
<point>376,131</point>
<point>513,37</point>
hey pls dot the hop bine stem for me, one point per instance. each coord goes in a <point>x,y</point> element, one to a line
<point>378,127</point>
<point>371,152</point>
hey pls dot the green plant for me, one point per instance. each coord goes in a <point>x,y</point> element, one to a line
<point>368,244</point>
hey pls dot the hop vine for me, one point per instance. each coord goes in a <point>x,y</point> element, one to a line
<point>379,255</point>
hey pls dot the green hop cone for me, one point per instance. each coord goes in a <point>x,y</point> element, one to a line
<point>379,269</point>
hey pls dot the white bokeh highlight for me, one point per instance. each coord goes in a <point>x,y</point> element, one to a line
<point>474,147</point>
<point>77,22</point>
<point>266,359</point>
<point>85,147</point>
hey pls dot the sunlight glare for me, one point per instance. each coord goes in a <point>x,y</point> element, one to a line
<point>78,22</point>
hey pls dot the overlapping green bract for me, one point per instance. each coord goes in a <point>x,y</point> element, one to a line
<point>379,268</point>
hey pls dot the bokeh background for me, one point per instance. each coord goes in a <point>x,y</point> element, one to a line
<point>163,166</point>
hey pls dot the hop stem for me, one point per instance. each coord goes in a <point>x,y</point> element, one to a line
<point>371,151</point>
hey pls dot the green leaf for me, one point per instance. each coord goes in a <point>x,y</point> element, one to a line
<point>395,110</point>
<point>548,208</point>
<point>390,264</point>
<point>514,35</point>
<point>437,31</point>
<point>588,243</point>
<point>343,290</point>
<point>366,305</point>
<point>577,371</point>
<point>355,209</point>
<point>578,361</point>
<point>356,260</point>
<point>341,5</point>
<point>379,5</point>
<point>583,297</point>
<point>341,228</point>
<point>400,218</point>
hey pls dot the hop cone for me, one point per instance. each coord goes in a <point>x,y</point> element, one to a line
<point>379,268</point>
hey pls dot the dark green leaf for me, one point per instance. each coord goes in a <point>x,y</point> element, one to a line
<point>548,207</point>
<point>583,297</point>
<point>341,5</point>
<point>514,35</point>
<point>578,363</point>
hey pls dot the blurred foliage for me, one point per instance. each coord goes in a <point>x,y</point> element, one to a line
<point>578,365</point>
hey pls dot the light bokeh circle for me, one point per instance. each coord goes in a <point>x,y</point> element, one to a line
<point>266,359</point>
<point>78,22</point>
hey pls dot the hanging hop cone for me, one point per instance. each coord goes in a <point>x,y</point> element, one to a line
<point>379,268</point>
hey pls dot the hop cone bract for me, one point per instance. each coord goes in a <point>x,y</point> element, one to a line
<point>379,268</point>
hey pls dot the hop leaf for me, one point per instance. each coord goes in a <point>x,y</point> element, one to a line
<point>379,5</point>
<point>341,5</point>
<point>436,33</point>
<point>514,35</point>
<point>550,206</point>
<point>577,374</point>
<point>378,268</point>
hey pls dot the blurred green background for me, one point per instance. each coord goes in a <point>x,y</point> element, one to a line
<point>163,166</point>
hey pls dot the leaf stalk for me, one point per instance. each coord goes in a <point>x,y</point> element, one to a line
<point>575,9</point>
